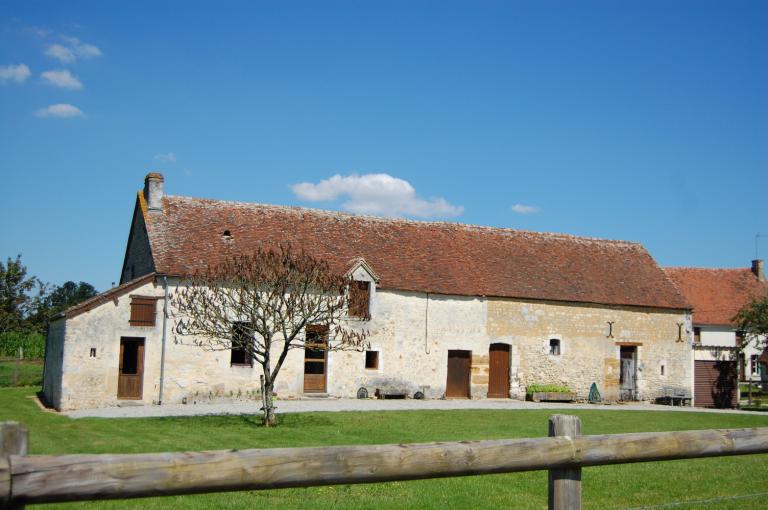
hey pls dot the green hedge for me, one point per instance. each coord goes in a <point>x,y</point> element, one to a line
<point>545,388</point>
<point>32,343</point>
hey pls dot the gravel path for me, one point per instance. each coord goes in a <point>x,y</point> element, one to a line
<point>336,405</point>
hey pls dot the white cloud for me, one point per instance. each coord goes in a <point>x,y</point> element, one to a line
<point>65,55</point>
<point>61,110</point>
<point>525,209</point>
<point>18,73</point>
<point>376,194</point>
<point>62,78</point>
<point>71,51</point>
<point>168,158</point>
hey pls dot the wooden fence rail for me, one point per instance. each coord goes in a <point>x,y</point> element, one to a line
<point>45,478</point>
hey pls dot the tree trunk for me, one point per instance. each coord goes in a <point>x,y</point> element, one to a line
<point>268,406</point>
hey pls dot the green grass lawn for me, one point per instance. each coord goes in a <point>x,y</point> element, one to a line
<point>30,373</point>
<point>603,487</point>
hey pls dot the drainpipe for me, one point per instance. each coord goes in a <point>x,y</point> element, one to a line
<point>162,351</point>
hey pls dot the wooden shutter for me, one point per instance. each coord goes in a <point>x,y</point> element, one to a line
<point>359,297</point>
<point>143,311</point>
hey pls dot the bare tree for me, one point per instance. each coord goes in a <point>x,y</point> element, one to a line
<point>264,305</point>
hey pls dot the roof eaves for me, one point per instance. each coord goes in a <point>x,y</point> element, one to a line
<point>104,297</point>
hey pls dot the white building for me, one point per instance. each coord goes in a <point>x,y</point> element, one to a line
<point>456,311</point>
<point>717,295</point>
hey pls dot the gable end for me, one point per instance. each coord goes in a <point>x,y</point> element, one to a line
<point>138,259</point>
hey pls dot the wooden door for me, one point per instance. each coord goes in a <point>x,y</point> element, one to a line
<point>457,385</point>
<point>130,380</point>
<point>498,371</point>
<point>316,360</point>
<point>627,373</point>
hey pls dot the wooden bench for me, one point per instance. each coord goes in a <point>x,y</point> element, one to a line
<point>388,394</point>
<point>673,396</point>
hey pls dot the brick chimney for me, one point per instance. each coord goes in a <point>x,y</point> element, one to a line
<point>153,191</point>
<point>758,267</point>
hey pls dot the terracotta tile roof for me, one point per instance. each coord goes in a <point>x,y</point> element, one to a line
<point>436,257</point>
<point>716,294</point>
<point>108,295</point>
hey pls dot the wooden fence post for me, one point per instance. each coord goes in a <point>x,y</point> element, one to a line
<point>564,484</point>
<point>17,367</point>
<point>13,441</point>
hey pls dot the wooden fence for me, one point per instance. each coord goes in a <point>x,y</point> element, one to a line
<point>45,478</point>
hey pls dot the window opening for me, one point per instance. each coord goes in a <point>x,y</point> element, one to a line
<point>242,343</point>
<point>371,360</point>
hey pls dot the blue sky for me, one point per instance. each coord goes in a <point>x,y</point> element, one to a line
<point>644,121</point>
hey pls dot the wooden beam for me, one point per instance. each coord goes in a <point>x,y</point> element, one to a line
<point>564,483</point>
<point>41,479</point>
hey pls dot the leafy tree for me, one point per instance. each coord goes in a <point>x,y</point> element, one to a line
<point>752,319</point>
<point>59,299</point>
<point>26,303</point>
<point>16,300</point>
<point>263,305</point>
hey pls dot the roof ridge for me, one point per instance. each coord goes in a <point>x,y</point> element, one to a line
<point>384,219</point>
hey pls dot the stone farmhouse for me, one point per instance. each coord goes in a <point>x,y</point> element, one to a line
<point>454,311</point>
<point>716,296</point>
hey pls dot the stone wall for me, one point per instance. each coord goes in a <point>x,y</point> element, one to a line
<point>54,358</point>
<point>412,332</point>
<point>587,354</point>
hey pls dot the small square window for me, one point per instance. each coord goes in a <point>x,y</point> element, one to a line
<point>371,360</point>
<point>554,346</point>
<point>93,352</point>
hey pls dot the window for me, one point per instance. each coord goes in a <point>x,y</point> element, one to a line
<point>554,346</point>
<point>697,335</point>
<point>143,311</point>
<point>93,352</point>
<point>662,369</point>
<point>359,299</point>
<point>739,338</point>
<point>753,364</point>
<point>242,342</point>
<point>372,360</point>
<point>317,337</point>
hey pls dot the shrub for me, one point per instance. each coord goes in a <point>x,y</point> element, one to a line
<point>546,388</point>
<point>33,345</point>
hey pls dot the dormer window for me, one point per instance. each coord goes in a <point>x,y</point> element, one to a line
<point>360,299</point>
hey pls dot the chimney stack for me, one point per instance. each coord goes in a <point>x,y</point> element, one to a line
<point>153,191</point>
<point>758,267</point>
